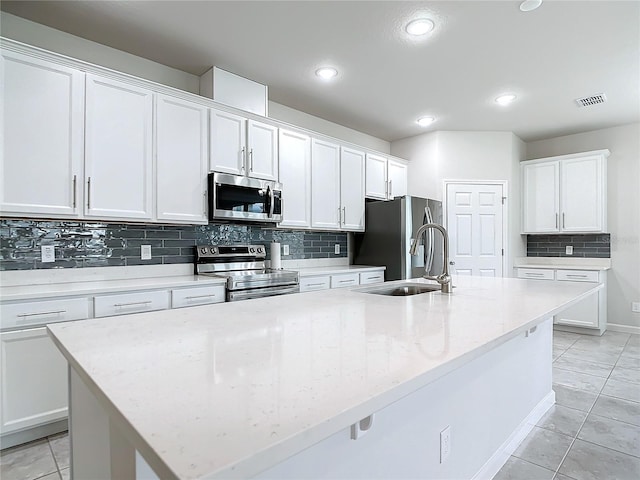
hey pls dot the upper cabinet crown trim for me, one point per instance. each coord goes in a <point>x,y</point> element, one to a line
<point>604,152</point>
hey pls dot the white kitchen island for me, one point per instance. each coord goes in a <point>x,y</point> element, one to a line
<point>270,388</point>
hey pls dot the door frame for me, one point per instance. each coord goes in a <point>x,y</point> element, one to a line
<point>505,211</point>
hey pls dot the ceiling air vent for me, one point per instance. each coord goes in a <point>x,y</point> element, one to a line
<point>592,100</point>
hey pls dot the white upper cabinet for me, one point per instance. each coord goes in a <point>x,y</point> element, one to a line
<point>262,142</point>
<point>397,174</point>
<point>243,147</point>
<point>352,189</point>
<point>386,178</point>
<point>118,150</point>
<point>376,177</point>
<point>325,185</point>
<point>43,112</point>
<point>181,160</point>
<point>228,142</point>
<point>295,176</point>
<point>565,194</point>
<point>541,199</point>
<point>582,192</point>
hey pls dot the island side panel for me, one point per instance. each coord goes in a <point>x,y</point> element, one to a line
<point>489,404</point>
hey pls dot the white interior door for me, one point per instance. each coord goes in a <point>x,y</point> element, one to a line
<point>475,226</point>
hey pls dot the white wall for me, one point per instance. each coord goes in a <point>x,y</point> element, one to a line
<point>448,155</point>
<point>623,210</point>
<point>47,38</point>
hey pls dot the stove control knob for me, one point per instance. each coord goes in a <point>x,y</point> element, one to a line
<point>253,250</point>
<point>203,250</point>
<point>260,250</point>
<point>212,250</point>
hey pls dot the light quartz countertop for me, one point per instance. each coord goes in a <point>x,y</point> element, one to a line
<point>228,390</point>
<point>97,287</point>
<point>107,285</point>
<point>565,263</point>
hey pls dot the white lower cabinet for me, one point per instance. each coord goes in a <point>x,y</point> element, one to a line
<point>345,280</point>
<point>189,297</point>
<point>34,380</point>
<point>125,303</point>
<point>590,313</point>
<point>372,277</point>
<point>309,284</point>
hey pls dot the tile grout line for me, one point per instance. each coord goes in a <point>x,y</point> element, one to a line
<point>55,460</point>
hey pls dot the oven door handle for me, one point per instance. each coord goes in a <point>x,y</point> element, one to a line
<point>233,296</point>
<point>271,201</point>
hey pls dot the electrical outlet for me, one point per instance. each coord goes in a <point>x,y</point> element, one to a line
<point>568,250</point>
<point>285,249</point>
<point>48,253</point>
<point>336,249</point>
<point>145,252</point>
<point>635,307</point>
<point>445,444</point>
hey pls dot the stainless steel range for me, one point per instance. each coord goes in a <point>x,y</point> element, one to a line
<point>244,268</point>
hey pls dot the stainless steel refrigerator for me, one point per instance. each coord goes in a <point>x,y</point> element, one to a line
<point>389,229</point>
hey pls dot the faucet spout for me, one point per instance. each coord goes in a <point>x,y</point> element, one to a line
<point>444,279</point>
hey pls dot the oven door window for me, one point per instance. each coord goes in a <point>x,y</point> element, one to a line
<point>233,198</point>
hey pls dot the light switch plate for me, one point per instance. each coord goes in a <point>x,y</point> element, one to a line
<point>336,249</point>
<point>48,253</point>
<point>145,252</point>
<point>285,249</point>
<point>569,250</point>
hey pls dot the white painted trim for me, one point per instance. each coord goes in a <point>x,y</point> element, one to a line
<point>505,211</point>
<point>498,459</point>
<point>617,327</point>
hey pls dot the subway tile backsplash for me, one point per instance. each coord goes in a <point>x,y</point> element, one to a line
<point>585,246</point>
<point>91,244</point>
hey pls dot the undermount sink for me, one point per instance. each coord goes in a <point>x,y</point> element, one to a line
<point>401,289</point>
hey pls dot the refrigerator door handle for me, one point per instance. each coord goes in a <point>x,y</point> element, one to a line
<point>428,264</point>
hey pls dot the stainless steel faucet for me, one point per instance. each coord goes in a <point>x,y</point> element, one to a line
<point>444,279</point>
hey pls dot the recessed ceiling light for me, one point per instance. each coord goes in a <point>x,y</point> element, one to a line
<point>421,26</point>
<point>505,99</point>
<point>529,5</point>
<point>326,73</point>
<point>425,121</point>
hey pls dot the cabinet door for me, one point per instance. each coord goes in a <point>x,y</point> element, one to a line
<point>582,194</point>
<point>583,314</point>
<point>262,141</point>
<point>34,380</point>
<point>228,143</point>
<point>181,160</point>
<point>352,189</point>
<point>325,185</point>
<point>541,201</point>
<point>43,135</point>
<point>118,150</point>
<point>397,179</point>
<point>376,177</point>
<point>295,176</point>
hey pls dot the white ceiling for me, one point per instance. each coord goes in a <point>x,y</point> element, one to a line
<point>478,50</point>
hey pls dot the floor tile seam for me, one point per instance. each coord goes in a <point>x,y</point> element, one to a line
<point>592,361</point>
<point>617,398</point>
<point>615,419</point>
<point>582,389</point>
<point>531,463</point>
<point>573,440</point>
<point>578,371</point>
<point>55,460</point>
<point>608,448</point>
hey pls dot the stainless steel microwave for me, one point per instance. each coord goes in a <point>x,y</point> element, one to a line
<point>237,198</point>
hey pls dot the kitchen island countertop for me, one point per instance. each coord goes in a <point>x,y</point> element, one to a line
<point>233,389</point>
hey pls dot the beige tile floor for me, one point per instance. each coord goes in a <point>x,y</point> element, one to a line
<point>592,433</point>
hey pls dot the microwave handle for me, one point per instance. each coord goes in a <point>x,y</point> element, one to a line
<point>271,197</point>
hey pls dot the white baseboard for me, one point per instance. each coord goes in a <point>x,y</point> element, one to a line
<point>616,327</point>
<point>500,457</point>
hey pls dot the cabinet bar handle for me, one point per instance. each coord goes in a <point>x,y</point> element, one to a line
<point>131,304</point>
<point>345,281</point>
<point>556,220</point>
<point>315,284</point>
<point>576,276</point>
<point>244,158</point>
<point>75,178</point>
<point>390,188</point>
<point>89,193</point>
<point>344,215</point>
<point>193,297</point>
<point>41,313</point>
<point>386,188</point>
<point>535,274</point>
<point>251,160</point>
<point>562,219</point>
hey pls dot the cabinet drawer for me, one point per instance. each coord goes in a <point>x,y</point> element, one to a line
<point>187,297</point>
<point>371,277</point>
<point>315,283</point>
<point>40,313</point>
<point>122,304</point>
<point>535,273</point>
<point>345,280</point>
<point>578,275</point>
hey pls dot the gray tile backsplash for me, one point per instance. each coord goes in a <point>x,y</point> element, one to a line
<point>586,246</point>
<point>91,244</point>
